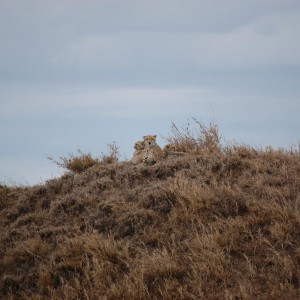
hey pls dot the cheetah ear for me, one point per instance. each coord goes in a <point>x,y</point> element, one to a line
<point>144,137</point>
<point>155,136</point>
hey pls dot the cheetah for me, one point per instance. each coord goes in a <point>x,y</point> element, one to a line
<point>169,148</point>
<point>173,150</point>
<point>152,152</point>
<point>138,154</point>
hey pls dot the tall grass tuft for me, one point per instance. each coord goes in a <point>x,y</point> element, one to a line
<point>195,137</point>
<point>84,161</point>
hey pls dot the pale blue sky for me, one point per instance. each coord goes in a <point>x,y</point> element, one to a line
<point>78,74</point>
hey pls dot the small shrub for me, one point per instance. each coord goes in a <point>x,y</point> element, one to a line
<point>113,154</point>
<point>83,161</point>
<point>76,164</point>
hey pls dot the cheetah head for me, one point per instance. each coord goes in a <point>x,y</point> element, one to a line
<point>139,145</point>
<point>170,148</point>
<point>150,140</point>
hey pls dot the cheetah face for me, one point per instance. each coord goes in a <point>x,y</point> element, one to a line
<point>150,140</point>
<point>139,145</point>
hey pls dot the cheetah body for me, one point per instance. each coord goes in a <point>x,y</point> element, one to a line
<point>152,152</point>
<point>138,154</point>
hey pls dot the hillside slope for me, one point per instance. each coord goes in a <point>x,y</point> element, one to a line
<point>217,224</point>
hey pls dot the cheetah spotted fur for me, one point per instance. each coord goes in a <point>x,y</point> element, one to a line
<point>152,152</point>
<point>138,154</point>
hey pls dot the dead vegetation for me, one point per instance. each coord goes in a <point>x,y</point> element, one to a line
<point>222,222</point>
<point>84,161</point>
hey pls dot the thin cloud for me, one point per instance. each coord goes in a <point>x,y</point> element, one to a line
<point>125,102</point>
<point>269,42</point>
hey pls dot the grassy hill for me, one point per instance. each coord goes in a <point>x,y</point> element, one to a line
<point>219,222</point>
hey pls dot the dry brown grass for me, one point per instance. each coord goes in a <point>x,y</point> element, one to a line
<point>217,223</point>
<point>83,161</point>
